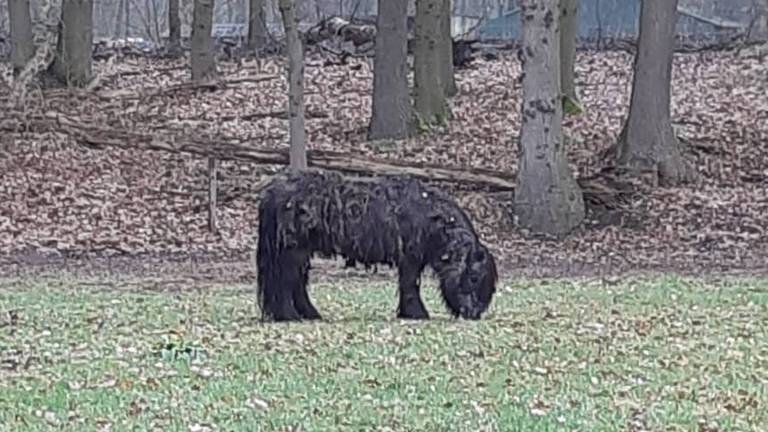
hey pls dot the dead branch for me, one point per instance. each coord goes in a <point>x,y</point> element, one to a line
<point>226,148</point>
<point>341,29</point>
<point>152,92</point>
<point>188,86</point>
<point>598,191</point>
<point>279,114</point>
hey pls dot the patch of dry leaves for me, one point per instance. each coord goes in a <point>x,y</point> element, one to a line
<point>61,199</point>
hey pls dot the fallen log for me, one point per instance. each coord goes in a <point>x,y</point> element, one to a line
<point>341,29</point>
<point>364,34</point>
<point>226,148</point>
<point>605,192</point>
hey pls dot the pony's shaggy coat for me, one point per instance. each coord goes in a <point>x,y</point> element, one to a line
<point>392,220</point>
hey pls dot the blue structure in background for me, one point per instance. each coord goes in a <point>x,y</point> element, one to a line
<point>609,19</point>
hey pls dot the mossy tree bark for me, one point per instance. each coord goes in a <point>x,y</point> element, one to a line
<point>202,60</point>
<point>22,44</point>
<point>647,146</point>
<point>298,138</point>
<point>429,98</point>
<point>72,64</point>
<point>391,108</point>
<point>569,23</point>
<point>548,198</point>
<point>446,50</point>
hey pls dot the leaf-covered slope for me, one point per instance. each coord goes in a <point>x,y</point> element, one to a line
<point>61,199</point>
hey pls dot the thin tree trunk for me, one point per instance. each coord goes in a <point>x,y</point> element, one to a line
<point>120,20</point>
<point>761,8</point>
<point>174,28</point>
<point>72,65</point>
<point>391,110</point>
<point>569,21</point>
<point>548,198</point>
<point>298,139</point>
<point>202,59</point>
<point>429,98</point>
<point>22,45</point>
<point>647,143</point>
<point>446,50</point>
<point>127,14</point>
<point>257,25</point>
<point>203,65</point>
<point>212,198</point>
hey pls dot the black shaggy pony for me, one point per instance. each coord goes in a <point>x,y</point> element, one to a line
<point>396,221</point>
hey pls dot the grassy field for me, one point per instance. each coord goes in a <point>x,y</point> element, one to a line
<point>665,354</point>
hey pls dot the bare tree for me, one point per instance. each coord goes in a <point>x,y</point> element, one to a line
<point>202,60</point>
<point>647,143</point>
<point>298,139</point>
<point>22,44</point>
<point>569,21</point>
<point>72,64</point>
<point>257,25</point>
<point>391,108</point>
<point>446,50</point>
<point>429,97</point>
<point>547,197</point>
<point>174,28</point>
<point>203,65</point>
<point>763,19</point>
<point>123,24</point>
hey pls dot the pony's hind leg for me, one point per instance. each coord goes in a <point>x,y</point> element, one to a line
<point>301,301</point>
<point>410,305</point>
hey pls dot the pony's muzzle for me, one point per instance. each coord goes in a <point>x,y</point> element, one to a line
<point>469,307</point>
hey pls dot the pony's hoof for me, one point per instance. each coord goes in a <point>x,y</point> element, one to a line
<point>414,315</point>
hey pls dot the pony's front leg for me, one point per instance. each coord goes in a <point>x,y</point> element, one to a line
<point>301,301</point>
<point>284,287</point>
<point>410,306</point>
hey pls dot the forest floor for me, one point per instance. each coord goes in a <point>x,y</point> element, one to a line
<point>65,205</point>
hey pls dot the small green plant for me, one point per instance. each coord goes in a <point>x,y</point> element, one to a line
<point>174,347</point>
<point>571,106</point>
<point>422,126</point>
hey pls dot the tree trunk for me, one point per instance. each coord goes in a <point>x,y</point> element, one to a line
<point>74,50</point>
<point>127,13</point>
<point>429,98</point>
<point>759,30</point>
<point>391,108</point>
<point>298,138</point>
<point>548,198</point>
<point>257,25</point>
<point>647,144</point>
<point>174,28</point>
<point>446,50</point>
<point>202,59</point>
<point>22,45</point>
<point>569,22</point>
<point>119,20</point>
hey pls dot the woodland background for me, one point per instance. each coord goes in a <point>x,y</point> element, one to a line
<point>65,198</point>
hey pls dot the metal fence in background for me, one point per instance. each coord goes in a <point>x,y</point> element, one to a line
<point>496,20</point>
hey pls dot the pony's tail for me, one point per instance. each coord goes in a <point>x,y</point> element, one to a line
<point>267,258</point>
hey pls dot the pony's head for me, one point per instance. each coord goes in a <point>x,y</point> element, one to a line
<point>468,278</point>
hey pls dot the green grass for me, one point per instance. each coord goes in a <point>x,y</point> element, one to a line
<point>667,354</point>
